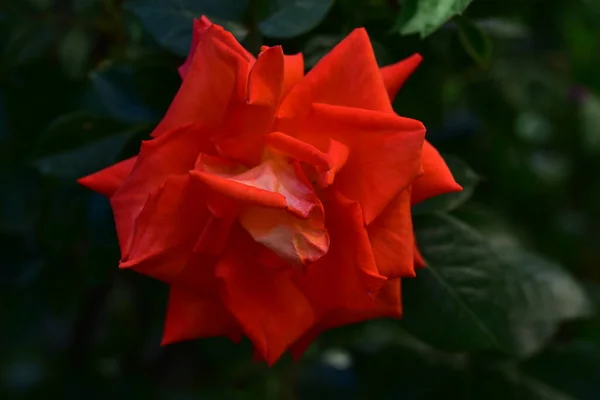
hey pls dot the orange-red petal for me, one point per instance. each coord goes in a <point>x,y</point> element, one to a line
<point>278,207</point>
<point>294,70</point>
<point>346,76</point>
<point>396,74</point>
<point>387,304</point>
<point>210,82</point>
<point>192,316</point>
<point>419,260</point>
<point>165,234</point>
<point>384,152</point>
<point>108,180</point>
<point>269,306</point>
<point>392,238</point>
<point>250,118</point>
<point>436,179</point>
<point>347,276</point>
<point>172,153</point>
<point>200,26</point>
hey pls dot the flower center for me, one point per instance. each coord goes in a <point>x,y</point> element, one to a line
<point>279,207</point>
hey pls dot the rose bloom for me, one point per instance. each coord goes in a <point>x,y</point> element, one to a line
<point>276,205</point>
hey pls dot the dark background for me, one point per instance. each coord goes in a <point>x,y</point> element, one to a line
<point>512,88</point>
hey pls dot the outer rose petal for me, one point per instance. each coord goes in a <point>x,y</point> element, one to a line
<point>387,304</point>
<point>108,180</point>
<point>384,152</point>
<point>172,153</point>
<point>166,232</point>
<point>199,28</point>
<point>211,81</point>
<point>271,309</point>
<point>419,261</point>
<point>395,75</point>
<point>347,76</point>
<point>201,25</point>
<point>392,238</point>
<point>190,316</point>
<point>346,277</point>
<point>436,179</point>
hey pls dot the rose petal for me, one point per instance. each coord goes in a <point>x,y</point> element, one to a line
<point>392,238</point>
<point>347,276</point>
<point>240,191</point>
<point>213,238</point>
<point>297,241</point>
<point>271,309</point>
<point>326,164</point>
<point>279,207</point>
<point>387,304</point>
<point>165,234</point>
<point>346,76</point>
<point>108,180</point>
<point>199,28</point>
<point>266,78</point>
<point>396,74</point>
<point>209,83</point>
<point>190,316</point>
<point>172,153</point>
<point>419,260</point>
<point>384,152</point>
<point>242,136</point>
<point>436,179</point>
<point>294,70</point>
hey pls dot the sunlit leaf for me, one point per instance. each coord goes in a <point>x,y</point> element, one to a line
<point>426,16</point>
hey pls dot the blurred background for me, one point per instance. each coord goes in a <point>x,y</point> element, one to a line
<point>509,92</point>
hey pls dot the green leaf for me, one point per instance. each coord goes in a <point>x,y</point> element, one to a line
<point>510,382</point>
<point>317,46</point>
<point>73,130</point>
<point>170,22</point>
<point>426,16</point>
<point>475,41</point>
<point>483,298</point>
<point>465,176</point>
<point>79,143</point>
<point>113,92</point>
<point>590,122</point>
<point>73,164</point>
<point>556,367</point>
<point>74,50</point>
<point>30,41</point>
<point>294,18</point>
<point>503,28</point>
<point>5,131</point>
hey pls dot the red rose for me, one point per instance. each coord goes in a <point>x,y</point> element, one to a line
<point>276,205</point>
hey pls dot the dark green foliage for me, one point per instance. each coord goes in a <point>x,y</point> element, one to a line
<point>508,307</point>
